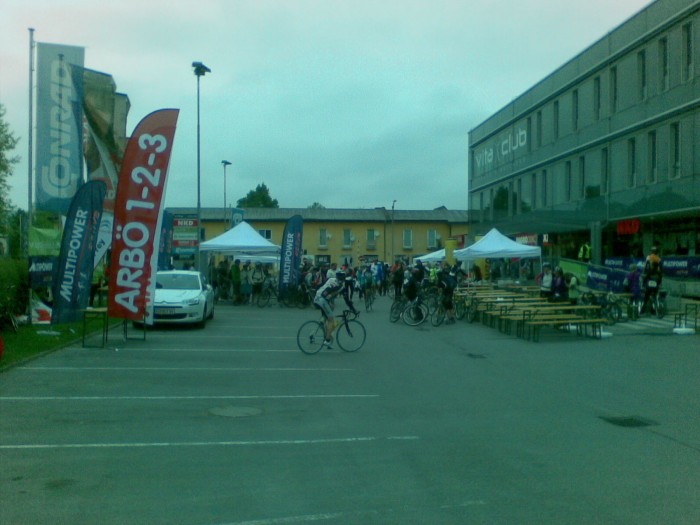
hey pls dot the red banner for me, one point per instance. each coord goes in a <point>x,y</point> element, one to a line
<point>138,215</point>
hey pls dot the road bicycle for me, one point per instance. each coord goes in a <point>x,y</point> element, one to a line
<point>269,295</point>
<point>413,312</point>
<point>657,303</point>
<point>369,298</point>
<point>300,296</point>
<point>610,305</point>
<point>350,334</point>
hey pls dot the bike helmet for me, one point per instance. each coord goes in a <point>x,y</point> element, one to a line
<point>340,274</point>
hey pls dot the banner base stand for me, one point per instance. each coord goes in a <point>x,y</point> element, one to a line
<point>141,337</point>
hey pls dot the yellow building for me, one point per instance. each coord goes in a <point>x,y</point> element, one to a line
<point>348,236</point>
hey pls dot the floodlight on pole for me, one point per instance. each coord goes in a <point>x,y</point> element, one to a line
<point>225,163</point>
<point>199,70</point>
<point>393,255</point>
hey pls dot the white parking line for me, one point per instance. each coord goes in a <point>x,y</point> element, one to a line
<point>203,443</point>
<point>182,398</point>
<point>182,369</point>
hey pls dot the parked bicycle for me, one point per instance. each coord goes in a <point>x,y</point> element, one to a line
<point>610,305</point>
<point>413,312</point>
<point>269,295</point>
<point>350,334</point>
<point>300,296</point>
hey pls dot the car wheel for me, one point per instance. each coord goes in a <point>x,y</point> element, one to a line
<point>211,314</point>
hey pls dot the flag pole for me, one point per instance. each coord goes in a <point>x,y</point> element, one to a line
<point>30,134</point>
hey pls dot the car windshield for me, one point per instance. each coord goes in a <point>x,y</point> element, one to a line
<point>174,281</point>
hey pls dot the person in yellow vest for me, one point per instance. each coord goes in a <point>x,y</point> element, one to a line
<point>98,280</point>
<point>584,252</point>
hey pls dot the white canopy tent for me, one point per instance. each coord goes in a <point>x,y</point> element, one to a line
<point>495,245</point>
<point>242,239</point>
<point>435,256</point>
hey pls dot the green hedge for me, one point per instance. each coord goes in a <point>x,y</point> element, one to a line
<point>14,284</point>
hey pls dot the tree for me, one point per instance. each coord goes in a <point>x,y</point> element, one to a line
<point>317,206</point>
<point>258,198</point>
<point>8,142</point>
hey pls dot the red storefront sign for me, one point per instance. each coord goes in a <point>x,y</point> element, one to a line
<point>628,227</point>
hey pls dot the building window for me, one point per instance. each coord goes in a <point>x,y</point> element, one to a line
<point>555,117</point>
<point>596,98</point>
<point>574,109</point>
<point>675,153</point>
<point>687,51</point>
<point>604,176</point>
<point>538,130</point>
<point>267,234</point>
<point>642,74</point>
<point>613,89</point>
<point>544,188</point>
<point>432,239</point>
<point>653,158</point>
<point>323,237</point>
<point>407,239</point>
<point>533,189</point>
<point>518,197</point>
<point>347,238</point>
<point>582,177</point>
<point>567,181</point>
<point>371,239</point>
<point>663,64</point>
<point>631,162</point>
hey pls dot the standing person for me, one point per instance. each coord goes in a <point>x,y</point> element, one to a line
<point>652,277</point>
<point>257,278</point>
<point>98,279</point>
<point>559,291</point>
<point>246,284</point>
<point>447,283</point>
<point>397,279</point>
<point>633,285</point>
<point>572,288</point>
<point>584,252</point>
<point>236,281</point>
<point>476,272</point>
<point>545,281</point>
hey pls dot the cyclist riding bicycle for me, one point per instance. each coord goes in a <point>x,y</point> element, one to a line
<point>324,302</point>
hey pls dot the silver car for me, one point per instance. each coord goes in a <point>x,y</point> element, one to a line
<point>183,296</point>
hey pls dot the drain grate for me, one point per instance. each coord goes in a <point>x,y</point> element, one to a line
<point>629,421</point>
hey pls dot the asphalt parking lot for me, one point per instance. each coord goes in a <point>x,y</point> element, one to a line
<point>456,424</point>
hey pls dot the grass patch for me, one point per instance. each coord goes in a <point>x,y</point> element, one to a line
<point>33,340</point>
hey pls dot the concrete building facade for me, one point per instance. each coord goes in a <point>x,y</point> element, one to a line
<point>605,148</point>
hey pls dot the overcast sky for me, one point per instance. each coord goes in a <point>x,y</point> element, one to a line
<point>352,104</point>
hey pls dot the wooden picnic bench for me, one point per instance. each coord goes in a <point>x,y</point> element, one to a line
<point>529,320</point>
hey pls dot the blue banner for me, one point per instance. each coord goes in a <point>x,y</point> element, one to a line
<point>59,126</point>
<point>681,266</point>
<point>290,259</point>
<point>71,288</point>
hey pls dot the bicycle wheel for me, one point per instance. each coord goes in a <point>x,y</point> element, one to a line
<point>472,312</point>
<point>397,309</point>
<point>660,308</point>
<point>310,337</point>
<point>414,314</point>
<point>351,335</point>
<point>615,312</point>
<point>264,298</point>
<point>438,316</point>
<point>460,309</point>
<point>432,303</point>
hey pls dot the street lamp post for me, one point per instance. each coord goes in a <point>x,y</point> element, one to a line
<point>225,163</point>
<point>199,70</point>
<point>393,255</point>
